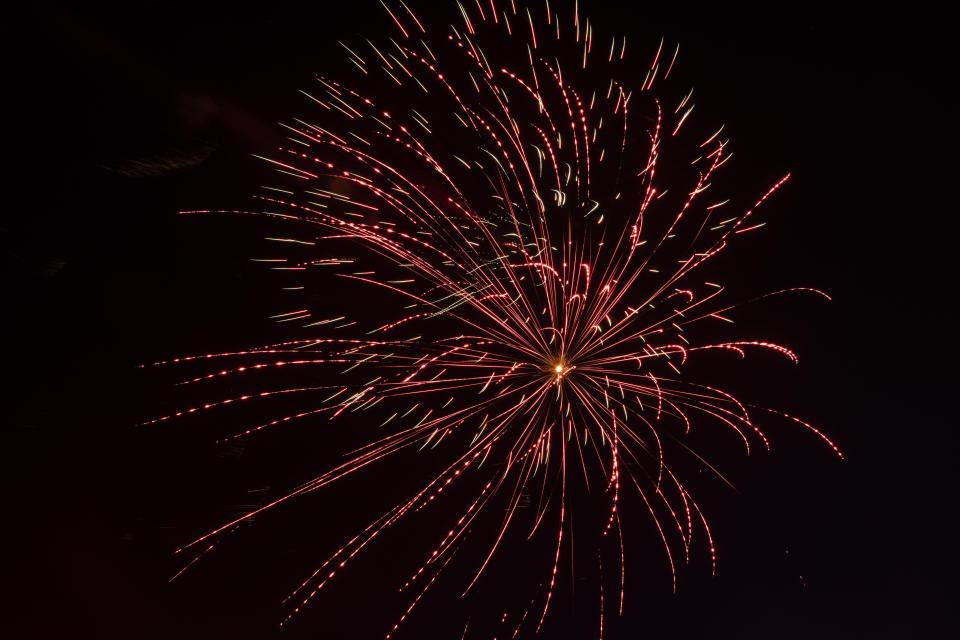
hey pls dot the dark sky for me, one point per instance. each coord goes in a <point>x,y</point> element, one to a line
<point>126,114</point>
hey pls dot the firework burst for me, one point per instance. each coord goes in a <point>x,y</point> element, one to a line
<point>541,217</point>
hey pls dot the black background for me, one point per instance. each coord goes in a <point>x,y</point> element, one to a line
<point>125,114</point>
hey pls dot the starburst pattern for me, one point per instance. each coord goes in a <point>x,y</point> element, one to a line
<point>544,221</point>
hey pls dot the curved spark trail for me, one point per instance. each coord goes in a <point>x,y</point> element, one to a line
<point>498,181</point>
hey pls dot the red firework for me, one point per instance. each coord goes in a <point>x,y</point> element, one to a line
<point>514,203</point>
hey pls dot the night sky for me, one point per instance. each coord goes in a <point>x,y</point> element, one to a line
<point>126,114</point>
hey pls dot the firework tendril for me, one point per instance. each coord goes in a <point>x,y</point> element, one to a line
<point>503,183</point>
